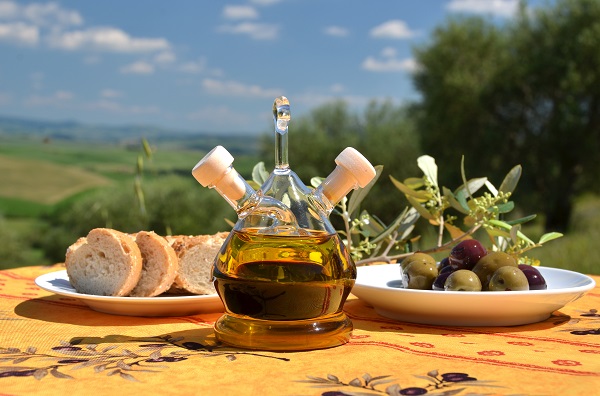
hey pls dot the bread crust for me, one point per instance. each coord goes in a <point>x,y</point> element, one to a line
<point>196,256</point>
<point>105,262</point>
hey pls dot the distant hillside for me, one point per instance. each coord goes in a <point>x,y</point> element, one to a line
<point>11,127</point>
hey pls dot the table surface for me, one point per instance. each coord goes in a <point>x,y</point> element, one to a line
<point>51,344</point>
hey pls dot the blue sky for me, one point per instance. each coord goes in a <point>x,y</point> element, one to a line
<point>212,66</point>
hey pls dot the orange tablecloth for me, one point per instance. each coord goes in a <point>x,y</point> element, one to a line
<point>56,345</point>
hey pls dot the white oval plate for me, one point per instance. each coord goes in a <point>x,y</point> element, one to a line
<point>378,285</point>
<point>58,282</point>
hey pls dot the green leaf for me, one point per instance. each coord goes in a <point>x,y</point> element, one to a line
<point>550,236</point>
<point>420,195</point>
<point>422,211</point>
<point>429,168</point>
<point>521,220</point>
<point>316,181</point>
<point>511,180</point>
<point>453,201</point>
<point>259,173</point>
<point>491,187</point>
<point>508,227</point>
<point>506,207</point>
<point>472,186</point>
<point>414,182</point>
<point>462,200</point>
<point>359,194</point>
<point>407,218</point>
<point>370,225</point>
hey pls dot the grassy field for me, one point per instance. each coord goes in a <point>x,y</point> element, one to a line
<point>36,176</point>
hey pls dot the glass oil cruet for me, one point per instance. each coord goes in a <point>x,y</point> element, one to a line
<point>283,273</point>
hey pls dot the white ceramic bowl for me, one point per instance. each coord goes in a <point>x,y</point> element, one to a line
<point>377,285</point>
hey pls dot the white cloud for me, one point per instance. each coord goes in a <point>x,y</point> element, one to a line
<point>336,31</point>
<point>234,88</point>
<point>239,12</point>
<point>9,10</point>
<point>118,108</point>
<point>139,67</point>
<point>394,29</point>
<point>19,33</point>
<point>193,67</point>
<point>51,14</point>
<point>165,57</point>
<point>502,8</point>
<point>265,2</point>
<point>40,14</point>
<point>389,64</point>
<point>110,93</point>
<point>257,31</point>
<point>389,52</point>
<point>108,39</point>
<point>56,99</point>
<point>337,88</point>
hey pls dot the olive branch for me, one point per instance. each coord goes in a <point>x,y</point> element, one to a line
<point>370,240</point>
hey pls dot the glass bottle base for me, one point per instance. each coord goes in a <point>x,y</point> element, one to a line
<point>296,335</point>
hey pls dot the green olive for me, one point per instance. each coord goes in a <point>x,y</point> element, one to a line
<point>419,275</point>
<point>508,279</point>
<point>488,264</point>
<point>462,280</point>
<point>420,257</point>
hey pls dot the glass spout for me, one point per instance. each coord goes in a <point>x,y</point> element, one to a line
<point>281,117</point>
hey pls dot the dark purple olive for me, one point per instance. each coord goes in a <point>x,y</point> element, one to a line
<point>534,277</point>
<point>438,283</point>
<point>466,254</point>
<point>444,263</point>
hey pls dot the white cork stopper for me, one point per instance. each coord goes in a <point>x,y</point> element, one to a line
<point>357,165</point>
<point>215,170</point>
<point>353,170</point>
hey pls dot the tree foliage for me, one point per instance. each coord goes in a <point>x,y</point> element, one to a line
<point>527,92</point>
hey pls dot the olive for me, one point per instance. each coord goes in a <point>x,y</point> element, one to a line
<point>466,254</point>
<point>488,264</point>
<point>418,256</point>
<point>419,275</point>
<point>534,277</point>
<point>444,263</point>
<point>508,279</point>
<point>438,283</point>
<point>462,280</point>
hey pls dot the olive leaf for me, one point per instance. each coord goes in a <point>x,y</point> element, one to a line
<point>549,236</point>
<point>421,195</point>
<point>511,180</point>
<point>360,193</point>
<point>427,164</point>
<point>259,174</point>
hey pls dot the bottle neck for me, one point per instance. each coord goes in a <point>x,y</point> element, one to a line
<point>335,187</point>
<point>235,190</point>
<point>281,151</point>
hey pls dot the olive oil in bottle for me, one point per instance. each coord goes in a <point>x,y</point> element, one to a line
<point>283,273</point>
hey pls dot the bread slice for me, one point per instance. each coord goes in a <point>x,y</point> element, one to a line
<point>105,263</point>
<point>159,266</point>
<point>196,256</point>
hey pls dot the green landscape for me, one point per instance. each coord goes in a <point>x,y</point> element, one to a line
<point>492,98</point>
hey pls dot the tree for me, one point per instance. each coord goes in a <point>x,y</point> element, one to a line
<point>527,92</point>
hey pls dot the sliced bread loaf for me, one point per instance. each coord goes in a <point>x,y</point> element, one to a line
<point>159,267</point>
<point>106,263</point>
<point>196,256</point>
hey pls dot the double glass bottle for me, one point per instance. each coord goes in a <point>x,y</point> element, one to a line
<point>283,273</point>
